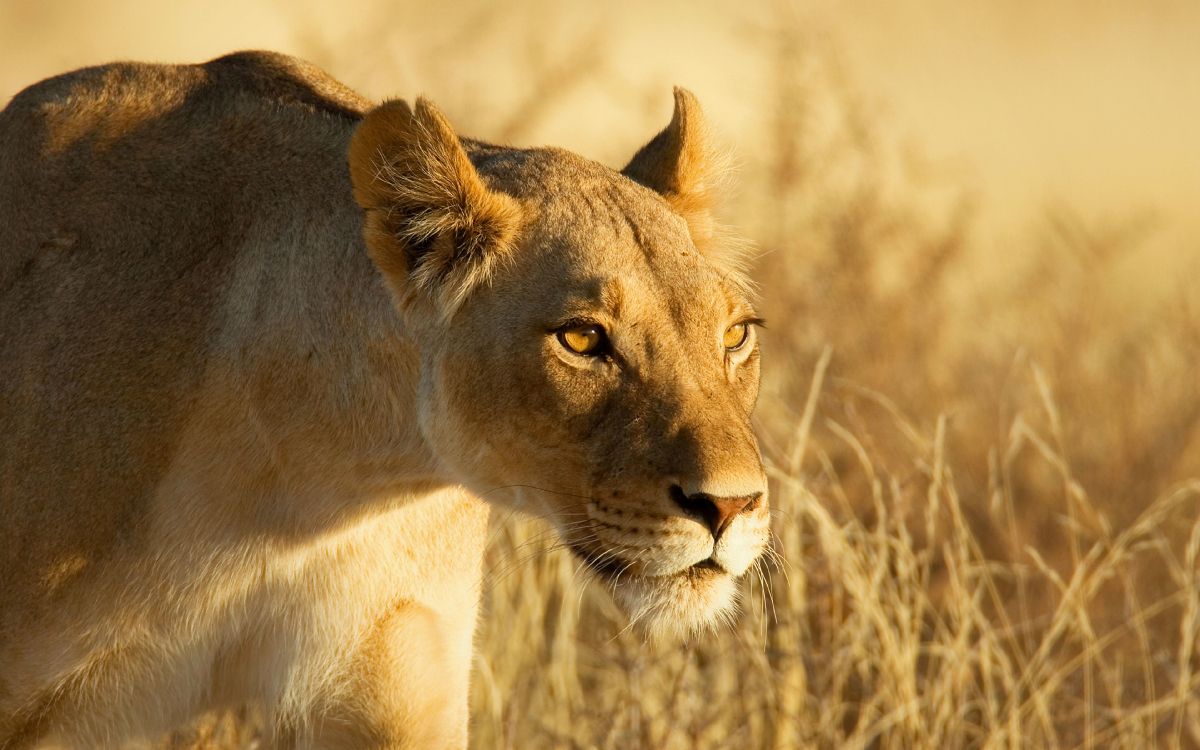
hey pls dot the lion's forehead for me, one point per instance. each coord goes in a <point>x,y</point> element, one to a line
<point>601,244</point>
<point>570,194</point>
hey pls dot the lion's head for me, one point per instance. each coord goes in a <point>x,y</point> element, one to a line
<point>586,352</point>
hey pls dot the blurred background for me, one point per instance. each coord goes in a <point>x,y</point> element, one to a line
<point>977,235</point>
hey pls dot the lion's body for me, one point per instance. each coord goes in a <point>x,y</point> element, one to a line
<point>157,226</point>
<point>231,473</point>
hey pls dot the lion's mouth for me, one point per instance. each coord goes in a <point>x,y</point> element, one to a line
<point>613,568</point>
<point>674,604</point>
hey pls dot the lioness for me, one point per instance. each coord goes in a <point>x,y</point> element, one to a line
<point>268,354</point>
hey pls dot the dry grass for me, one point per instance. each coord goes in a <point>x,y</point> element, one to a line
<point>984,474</point>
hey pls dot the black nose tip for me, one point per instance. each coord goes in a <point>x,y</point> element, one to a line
<point>716,512</point>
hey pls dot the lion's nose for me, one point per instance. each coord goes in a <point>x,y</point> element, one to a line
<point>717,512</point>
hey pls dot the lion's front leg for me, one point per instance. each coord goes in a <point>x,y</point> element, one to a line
<point>405,687</point>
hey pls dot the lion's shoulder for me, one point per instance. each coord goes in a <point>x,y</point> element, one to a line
<point>288,81</point>
<point>141,209</point>
<point>222,137</point>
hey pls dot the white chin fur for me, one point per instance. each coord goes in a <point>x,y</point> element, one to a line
<point>678,606</point>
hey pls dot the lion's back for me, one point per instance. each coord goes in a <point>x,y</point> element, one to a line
<point>127,194</point>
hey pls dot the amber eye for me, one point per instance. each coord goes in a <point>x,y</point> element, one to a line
<point>584,339</point>
<point>736,335</point>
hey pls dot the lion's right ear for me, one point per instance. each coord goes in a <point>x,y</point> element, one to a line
<point>681,165</point>
<point>431,225</point>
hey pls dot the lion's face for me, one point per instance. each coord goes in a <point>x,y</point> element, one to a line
<point>602,376</point>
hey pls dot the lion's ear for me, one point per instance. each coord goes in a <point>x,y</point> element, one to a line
<point>431,224</point>
<point>680,164</point>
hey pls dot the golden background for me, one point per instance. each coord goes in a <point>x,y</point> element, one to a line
<point>978,240</point>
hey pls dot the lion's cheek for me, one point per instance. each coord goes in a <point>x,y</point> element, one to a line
<point>455,416</point>
<point>506,423</point>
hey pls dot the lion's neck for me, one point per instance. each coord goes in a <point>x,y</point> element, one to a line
<point>324,378</point>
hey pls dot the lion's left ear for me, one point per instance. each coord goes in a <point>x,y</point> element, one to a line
<point>680,164</point>
<point>432,226</point>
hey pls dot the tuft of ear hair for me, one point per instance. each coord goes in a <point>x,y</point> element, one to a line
<point>682,165</point>
<point>431,225</point>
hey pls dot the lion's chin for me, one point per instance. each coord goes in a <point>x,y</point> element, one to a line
<point>679,605</point>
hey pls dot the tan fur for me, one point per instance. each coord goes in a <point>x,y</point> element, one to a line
<point>267,355</point>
